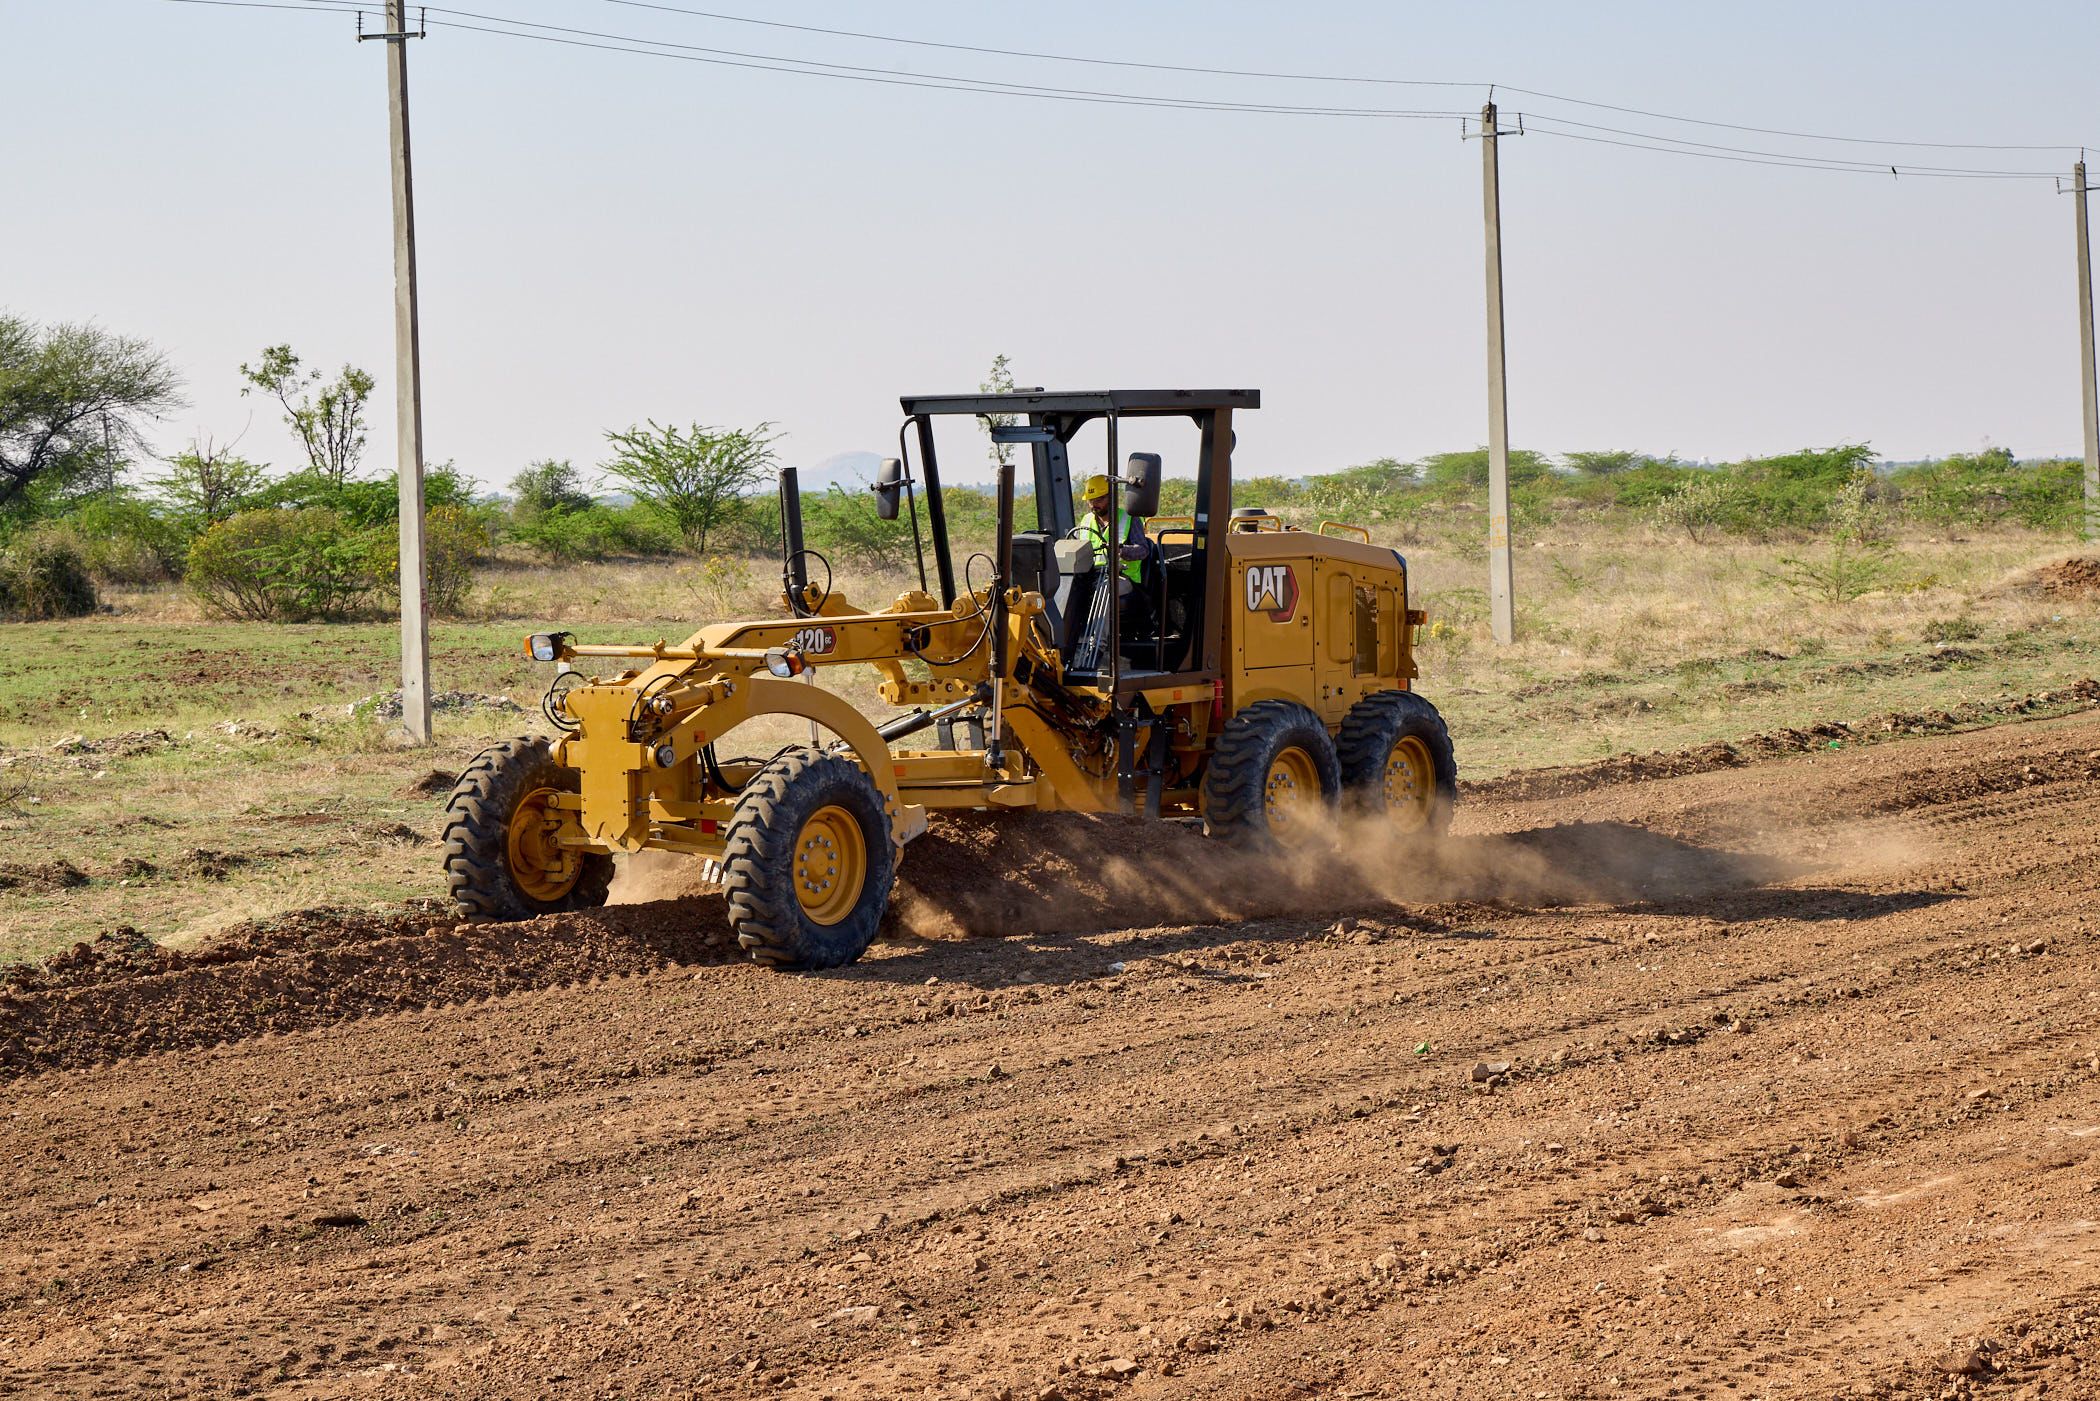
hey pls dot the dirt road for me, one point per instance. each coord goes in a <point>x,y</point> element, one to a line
<point>1774,1081</point>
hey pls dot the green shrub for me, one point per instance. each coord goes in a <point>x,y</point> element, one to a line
<point>1989,488</point>
<point>1794,491</point>
<point>548,485</point>
<point>286,566</point>
<point>1456,473</point>
<point>1855,555</point>
<point>123,540</point>
<point>596,532</point>
<point>454,540</point>
<point>842,524</point>
<point>43,576</point>
<point>1699,503</point>
<point>368,504</point>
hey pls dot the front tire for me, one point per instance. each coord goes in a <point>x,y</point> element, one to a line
<point>501,859</point>
<point>807,863</point>
<point>1397,762</point>
<point>1273,777</point>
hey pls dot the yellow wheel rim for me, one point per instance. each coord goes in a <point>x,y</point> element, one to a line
<point>831,864</point>
<point>1410,782</point>
<point>540,865</point>
<point>1291,797</point>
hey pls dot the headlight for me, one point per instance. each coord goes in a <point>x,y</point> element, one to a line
<point>785,662</point>
<point>545,646</point>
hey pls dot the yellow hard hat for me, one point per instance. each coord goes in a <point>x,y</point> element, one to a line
<point>1096,487</point>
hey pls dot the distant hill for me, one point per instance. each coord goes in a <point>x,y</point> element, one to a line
<point>846,469</point>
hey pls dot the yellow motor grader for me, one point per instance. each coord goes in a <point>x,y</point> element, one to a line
<point>1238,671</point>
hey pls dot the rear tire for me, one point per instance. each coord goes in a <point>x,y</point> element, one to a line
<point>1397,762</point>
<point>807,863</point>
<point>495,870</point>
<point>1274,763</point>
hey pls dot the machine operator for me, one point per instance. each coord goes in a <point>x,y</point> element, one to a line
<point>1134,547</point>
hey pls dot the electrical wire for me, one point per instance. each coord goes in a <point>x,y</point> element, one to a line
<point>775,63</point>
<point>1796,164</point>
<point>1350,78</point>
<point>322,7</point>
<point>1543,123</point>
<point>1047,57</point>
<point>1796,135</point>
<point>929,77</point>
<point>1849,163</point>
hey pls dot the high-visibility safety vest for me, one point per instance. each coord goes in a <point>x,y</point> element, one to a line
<point>1097,536</point>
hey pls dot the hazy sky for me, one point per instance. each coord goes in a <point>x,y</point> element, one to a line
<point>607,237</point>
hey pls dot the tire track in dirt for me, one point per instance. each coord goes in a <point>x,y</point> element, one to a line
<point>549,1236</point>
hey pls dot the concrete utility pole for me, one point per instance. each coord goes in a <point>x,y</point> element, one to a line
<point>2086,385</point>
<point>1501,595</point>
<point>408,388</point>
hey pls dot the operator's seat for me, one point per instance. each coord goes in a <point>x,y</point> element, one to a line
<point>1062,571</point>
<point>1074,562</point>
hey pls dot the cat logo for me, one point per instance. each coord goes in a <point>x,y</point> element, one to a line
<point>814,642</point>
<point>1272,589</point>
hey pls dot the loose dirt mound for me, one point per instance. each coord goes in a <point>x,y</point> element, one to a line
<point>1641,768</point>
<point>2076,577</point>
<point>44,875</point>
<point>433,784</point>
<point>122,995</point>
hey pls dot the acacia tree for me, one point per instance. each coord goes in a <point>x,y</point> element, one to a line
<point>547,487</point>
<point>71,397</point>
<point>1607,462</point>
<point>329,418</point>
<point>695,476</point>
<point>207,483</point>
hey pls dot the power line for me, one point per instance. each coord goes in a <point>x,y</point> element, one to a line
<point>1864,167</point>
<point>1797,135</point>
<point>1046,57</point>
<point>313,7</point>
<point>1792,163</point>
<point>781,63</point>
<point>1315,78</point>
<point>1032,89</point>
<point>508,27</point>
<point>773,63</point>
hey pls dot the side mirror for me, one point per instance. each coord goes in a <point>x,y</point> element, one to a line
<point>1141,488</point>
<point>888,488</point>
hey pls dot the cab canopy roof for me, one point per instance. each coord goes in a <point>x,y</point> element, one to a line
<point>1097,401</point>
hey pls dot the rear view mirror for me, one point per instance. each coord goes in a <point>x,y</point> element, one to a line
<point>1141,484</point>
<point>888,488</point>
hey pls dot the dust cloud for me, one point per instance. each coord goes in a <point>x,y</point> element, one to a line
<point>1066,872</point>
<point>1018,873</point>
<point>642,877</point>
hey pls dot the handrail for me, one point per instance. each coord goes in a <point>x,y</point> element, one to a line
<point>1173,525</point>
<point>1361,533</point>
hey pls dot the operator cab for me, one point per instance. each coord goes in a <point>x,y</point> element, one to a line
<point>1169,628</point>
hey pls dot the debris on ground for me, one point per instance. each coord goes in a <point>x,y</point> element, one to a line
<point>42,875</point>
<point>2075,577</point>
<point>1567,780</point>
<point>385,706</point>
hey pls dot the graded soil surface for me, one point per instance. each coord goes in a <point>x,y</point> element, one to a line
<point>1771,1078</point>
